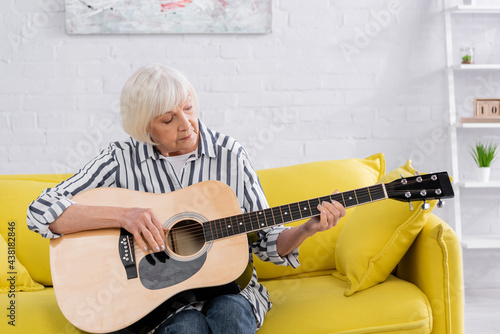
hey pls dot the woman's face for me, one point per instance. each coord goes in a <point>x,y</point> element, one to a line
<point>176,132</point>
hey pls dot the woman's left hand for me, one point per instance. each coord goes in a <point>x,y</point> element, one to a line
<point>290,239</point>
<point>330,214</point>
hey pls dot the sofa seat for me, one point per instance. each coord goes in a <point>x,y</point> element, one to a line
<point>38,312</point>
<point>396,306</point>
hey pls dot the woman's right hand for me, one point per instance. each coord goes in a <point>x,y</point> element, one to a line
<point>145,227</point>
<point>142,223</point>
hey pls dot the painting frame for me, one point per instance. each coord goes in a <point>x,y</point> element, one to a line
<point>168,16</point>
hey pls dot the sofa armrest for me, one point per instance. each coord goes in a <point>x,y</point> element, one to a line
<point>434,264</point>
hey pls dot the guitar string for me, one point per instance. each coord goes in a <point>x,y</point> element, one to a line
<point>277,211</point>
<point>271,211</point>
<point>230,231</point>
<point>295,211</point>
<point>197,233</point>
<point>219,225</point>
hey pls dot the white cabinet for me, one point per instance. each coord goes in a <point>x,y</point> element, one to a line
<point>458,129</point>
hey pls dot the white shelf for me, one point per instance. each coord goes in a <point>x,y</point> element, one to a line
<point>481,241</point>
<point>469,67</point>
<point>467,9</point>
<point>478,125</point>
<point>475,184</point>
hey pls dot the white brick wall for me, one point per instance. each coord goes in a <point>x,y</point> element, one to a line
<point>335,79</point>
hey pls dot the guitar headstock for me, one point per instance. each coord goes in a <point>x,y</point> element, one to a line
<point>421,187</point>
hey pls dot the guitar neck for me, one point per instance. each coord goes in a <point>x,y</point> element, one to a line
<point>262,219</point>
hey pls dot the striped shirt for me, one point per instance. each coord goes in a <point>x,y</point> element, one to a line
<point>138,166</point>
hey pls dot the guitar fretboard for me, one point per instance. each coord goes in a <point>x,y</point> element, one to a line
<point>259,220</point>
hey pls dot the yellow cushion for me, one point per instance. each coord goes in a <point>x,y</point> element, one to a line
<point>13,275</point>
<point>17,192</point>
<point>317,305</point>
<point>376,236</point>
<point>292,184</point>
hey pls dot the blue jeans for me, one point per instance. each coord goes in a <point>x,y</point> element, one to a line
<point>227,314</point>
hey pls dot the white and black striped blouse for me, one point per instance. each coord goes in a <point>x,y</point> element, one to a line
<point>135,165</point>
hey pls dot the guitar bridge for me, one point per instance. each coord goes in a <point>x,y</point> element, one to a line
<point>127,254</point>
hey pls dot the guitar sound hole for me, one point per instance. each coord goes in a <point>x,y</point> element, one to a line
<point>186,238</point>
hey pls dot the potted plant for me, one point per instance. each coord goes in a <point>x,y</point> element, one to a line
<point>467,55</point>
<point>484,155</point>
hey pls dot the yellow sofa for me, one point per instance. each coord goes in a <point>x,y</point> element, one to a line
<point>395,272</point>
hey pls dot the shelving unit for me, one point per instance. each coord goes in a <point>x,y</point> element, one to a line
<point>468,241</point>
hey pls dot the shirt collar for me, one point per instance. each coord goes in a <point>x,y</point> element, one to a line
<point>206,146</point>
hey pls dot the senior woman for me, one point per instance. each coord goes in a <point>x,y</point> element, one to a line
<point>170,148</point>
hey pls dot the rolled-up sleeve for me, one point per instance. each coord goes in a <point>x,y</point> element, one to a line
<point>266,248</point>
<point>54,201</point>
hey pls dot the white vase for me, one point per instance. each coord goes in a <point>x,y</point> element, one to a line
<point>483,174</point>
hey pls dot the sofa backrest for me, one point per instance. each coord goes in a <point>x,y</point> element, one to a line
<point>281,185</point>
<point>291,184</point>
<point>16,193</point>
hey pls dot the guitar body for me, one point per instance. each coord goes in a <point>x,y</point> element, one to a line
<point>92,286</point>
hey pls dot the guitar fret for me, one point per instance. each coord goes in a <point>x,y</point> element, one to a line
<point>362,196</point>
<point>207,231</point>
<point>278,218</point>
<point>221,228</point>
<point>295,211</point>
<point>217,229</point>
<point>241,225</point>
<point>313,204</point>
<point>285,213</point>
<point>343,200</point>
<point>378,192</point>
<point>255,221</point>
<point>261,220</point>
<point>269,221</point>
<point>305,210</point>
<point>350,199</point>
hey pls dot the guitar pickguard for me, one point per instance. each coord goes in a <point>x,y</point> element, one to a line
<point>159,271</point>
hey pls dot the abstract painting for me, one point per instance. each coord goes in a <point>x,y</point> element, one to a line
<point>168,16</point>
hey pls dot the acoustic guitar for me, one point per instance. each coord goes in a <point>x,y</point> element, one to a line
<point>103,283</point>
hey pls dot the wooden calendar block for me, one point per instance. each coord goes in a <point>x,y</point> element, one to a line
<point>487,108</point>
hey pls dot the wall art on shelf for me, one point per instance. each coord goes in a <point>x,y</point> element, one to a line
<point>168,16</point>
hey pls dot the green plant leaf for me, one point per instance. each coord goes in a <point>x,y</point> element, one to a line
<point>484,154</point>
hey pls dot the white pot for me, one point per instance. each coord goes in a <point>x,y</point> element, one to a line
<point>483,174</point>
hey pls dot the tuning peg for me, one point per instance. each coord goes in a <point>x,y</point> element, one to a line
<point>426,205</point>
<point>440,203</point>
<point>411,206</point>
<point>417,174</point>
